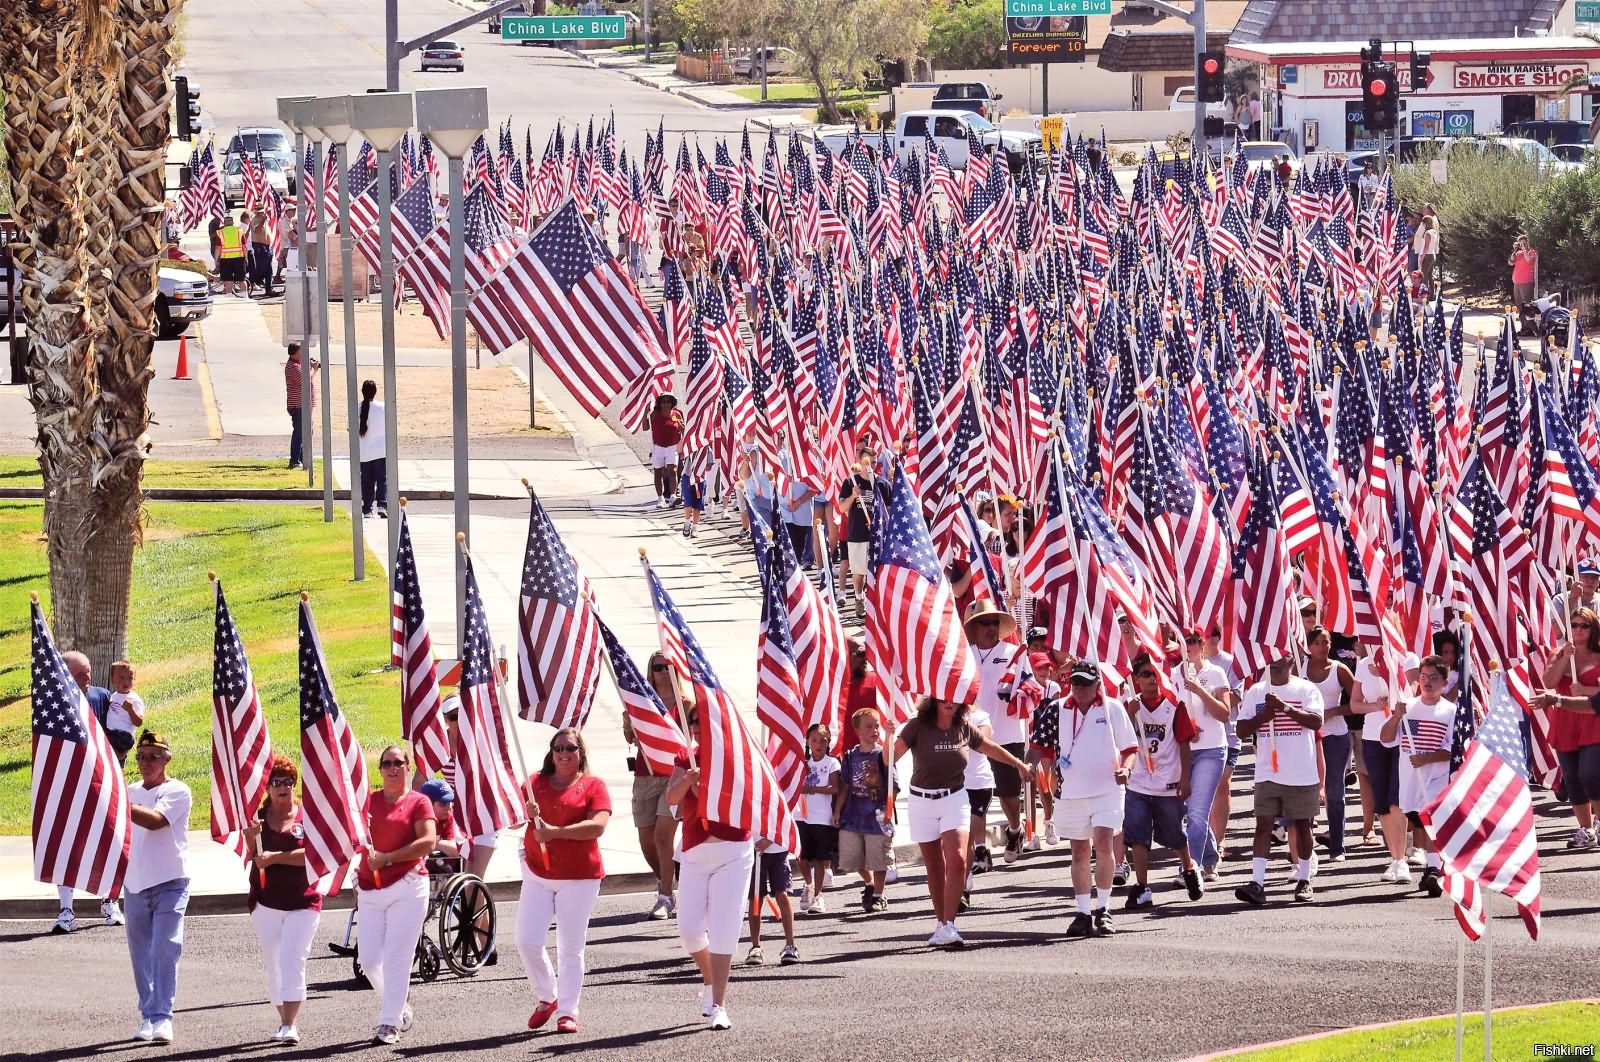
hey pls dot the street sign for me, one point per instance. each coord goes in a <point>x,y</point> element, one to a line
<point>1588,10</point>
<point>1042,8</point>
<point>1050,127</point>
<point>563,28</point>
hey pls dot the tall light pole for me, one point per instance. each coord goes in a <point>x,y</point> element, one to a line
<point>309,189</point>
<point>333,117</point>
<point>453,118</point>
<point>383,118</point>
<point>288,114</point>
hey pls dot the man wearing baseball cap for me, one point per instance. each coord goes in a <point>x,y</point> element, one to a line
<point>157,884</point>
<point>1002,671</point>
<point>1583,593</point>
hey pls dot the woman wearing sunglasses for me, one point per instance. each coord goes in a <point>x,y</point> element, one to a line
<point>561,872</point>
<point>394,889</point>
<point>284,906</point>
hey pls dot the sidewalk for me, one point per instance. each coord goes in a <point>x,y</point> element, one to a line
<point>664,78</point>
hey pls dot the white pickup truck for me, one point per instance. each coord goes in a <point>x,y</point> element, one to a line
<point>949,129</point>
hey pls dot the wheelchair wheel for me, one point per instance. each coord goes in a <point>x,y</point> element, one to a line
<point>357,975</point>
<point>427,959</point>
<point>466,923</point>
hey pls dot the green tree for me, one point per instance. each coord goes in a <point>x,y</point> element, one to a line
<point>1562,217</point>
<point>967,33</point>
<point>842,41</point>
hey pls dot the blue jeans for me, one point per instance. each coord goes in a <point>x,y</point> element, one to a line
<point>295,446</point>
<point>155,944</point>
<point>1336,761</point>
<point>1205,774</point>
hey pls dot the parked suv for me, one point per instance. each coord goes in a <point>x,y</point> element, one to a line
<point>974,96</point>
<point>779,62</point>
<point>182,296</point>
<point>270,143</point>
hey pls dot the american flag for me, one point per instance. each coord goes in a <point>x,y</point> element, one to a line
<point>780,702</point>
<point>487,791</point>
<point>1491,553</point>
<point>1259,625</point>
<point>411,650</point>
<point>565,292</point>
<point>333,770</point>
<point>558,635</point>
<point>241,752</point>
<point>820,643</point>
<point>486,244</point>
<point>81,828</point>
<point>203,198</point>
<point>657,730</point>
<point>1482,823</point>
<point>912,622</point>
<point>737,784</point>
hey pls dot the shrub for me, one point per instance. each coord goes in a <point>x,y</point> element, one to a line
<point>1480,207</point>
<point>967,34</point>
<point>1562,217</point>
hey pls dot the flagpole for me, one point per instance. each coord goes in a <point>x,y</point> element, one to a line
<point>1461,987</point>
<point>1488,976</point>
<point>672,677</point>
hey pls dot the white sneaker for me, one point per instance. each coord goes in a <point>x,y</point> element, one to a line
<point>944,935</point>
<point>66,922</point>
<point>407,1018</point>
<point>818,906</point>
<point>805,901</point>
<point>161,1032</point>
<point>1402,872</point>
<point>277,1036</point>
<point>1209,874</point>
<point>827,879</point>
<point>111,911</point>
<point>661,908</point>
<point>291,1035</point>
<point>1391,873</point>
<point>145,1031</point>
<point>1031,844</point>
<point>720,1019</point>
<point>1050,837</point>
<point>706,1006</point>
<point>1416,857</point>
<point>953,936</point>
<point>386,1034</point>
<point>1581,839</point>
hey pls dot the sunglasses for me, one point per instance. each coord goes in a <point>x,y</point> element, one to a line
<point>1144,674</point>
<point>658,667</point>
<point>386,764</point>
<point>282,783</point>
<point>563,748</point>
<point>1582,626</point>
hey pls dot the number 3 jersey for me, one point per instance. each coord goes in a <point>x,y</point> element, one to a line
<point>1161,728</point>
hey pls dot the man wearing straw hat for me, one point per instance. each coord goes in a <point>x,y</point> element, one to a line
<point>1002,671</point>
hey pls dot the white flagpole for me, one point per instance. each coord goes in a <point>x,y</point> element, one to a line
<point>1488,978</point>
<point>1461,987</point>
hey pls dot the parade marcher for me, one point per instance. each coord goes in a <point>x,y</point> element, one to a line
<point>374,453</point>
<point>1282,713</point>
<point>1045,669</point>
<point>817,823</point>
<point>941,739</point>
<point>797,505</point>
<point>1203,688</point>
<point>1423,727</point>
<point>770,879</point>
<point>284,905</point>
<point>157,885</point>
<point>652,815</point>
<point>1370,696</point>
<point>1002,671</point>
<point>713,887</point>
<point>1159,784</point>
<point>1222,809</point>
<point>393,879</point>
<point>1574,672</point>
<point>666,433</point>
<point>1333,681</point>
<point>859,495</point>
<point>1087,743</point>
<point>568,809</point>
<point>865,832</point>
<point>230,254</point>
<point>99,699</point>
<point>978,783</point>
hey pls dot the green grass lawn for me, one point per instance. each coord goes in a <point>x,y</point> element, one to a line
<point>1516,1031</point>
<point>802,92</point>
<point>244,474</point>
<point>265,555</point>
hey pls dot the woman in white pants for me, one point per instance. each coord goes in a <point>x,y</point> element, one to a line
<point>284,906</point>
<point>713,888</point>
<point>568,809</point>
<point>394,889</point>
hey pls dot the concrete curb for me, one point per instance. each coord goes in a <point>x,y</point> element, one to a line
<point>203,494</point>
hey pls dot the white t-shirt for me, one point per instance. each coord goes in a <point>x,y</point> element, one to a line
<point>117,715</point>
<point>1374,687</point>
<point>1092,745</point>
<point>980,771</point>
<point>817,808</point>
<point>1425,728</point>
<point>1224,662</point>
<point>1295,746</point>
<point>1213,731</point>
<point>374,444</point>
<point>157,856</point>
<point>1002,665</point>
<point>1332,693</point>
<point>1158,767</point>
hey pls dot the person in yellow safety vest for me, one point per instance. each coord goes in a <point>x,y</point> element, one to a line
<point>230,256</point>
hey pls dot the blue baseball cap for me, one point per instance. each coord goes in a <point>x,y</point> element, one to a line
<point>439,790</point>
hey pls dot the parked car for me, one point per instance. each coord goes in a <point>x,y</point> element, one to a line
<point>780,62</point>
<point>1577,154</point>
<point>949,129</point>
<point>1183,99</point>
<point>1259,153</point>
<point>268,142</point>
<point>492,23</point>
<point>1550,131</point>
<point>233,179</point>
<point>974,96</point>
<point>182,297</point>
<point>444,55</point>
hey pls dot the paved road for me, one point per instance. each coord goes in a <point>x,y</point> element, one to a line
<point>1188,978</point>
<point>321,47</point>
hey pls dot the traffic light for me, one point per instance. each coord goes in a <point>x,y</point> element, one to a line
<point>1208,77</point>
<point>1380,98</point>
<point>1419,70</point>
<point>188,103</point>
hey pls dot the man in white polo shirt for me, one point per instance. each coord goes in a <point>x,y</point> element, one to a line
<point>1002,669</point>
<point>1282,713</point>
<point>1091,743</point>
<point>157,884</point>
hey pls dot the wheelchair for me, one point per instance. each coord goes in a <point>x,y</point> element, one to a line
<point>463,916</point>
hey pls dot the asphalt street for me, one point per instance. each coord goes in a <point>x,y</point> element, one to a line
<point>245,56</point>
<point>1185,979</point>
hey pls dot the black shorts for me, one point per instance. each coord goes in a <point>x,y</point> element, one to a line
<point>231,269</point>
<point>818,844</point>
<point>1383,774</point>
<point>1007,779</point>
<point>978,800</point>
<point>771,873</point>
<point>1414,819</point>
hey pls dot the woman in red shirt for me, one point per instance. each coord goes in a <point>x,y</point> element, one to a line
<point>713,886</point>
<point>666,432</point>
<point>393,882</point>
<point>1574,672</point>
<point>561,871</point>
<point>284,906</point>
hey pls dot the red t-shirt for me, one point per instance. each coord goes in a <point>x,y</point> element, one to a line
<point>393,826</point>
<point>666,427</point>
<point>286,887</point>
<point>857,695</point>
<point>695,832</point>
<point>584,798</point>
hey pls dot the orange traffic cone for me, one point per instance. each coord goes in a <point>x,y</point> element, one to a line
<point>182,371</point>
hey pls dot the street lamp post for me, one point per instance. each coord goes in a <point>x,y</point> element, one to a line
<point>288,113</point>
<point>333,117</point>
<point>383,118</point>
<point>453,119</point>
<point>309,194</point>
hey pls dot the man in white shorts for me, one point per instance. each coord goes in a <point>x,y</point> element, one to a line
<point>1091,743</point>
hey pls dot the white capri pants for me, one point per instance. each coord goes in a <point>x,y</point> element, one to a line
<point>570,902</point>
<point>285,946</point>
<point>386,940</point>
<point>713,891</point>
